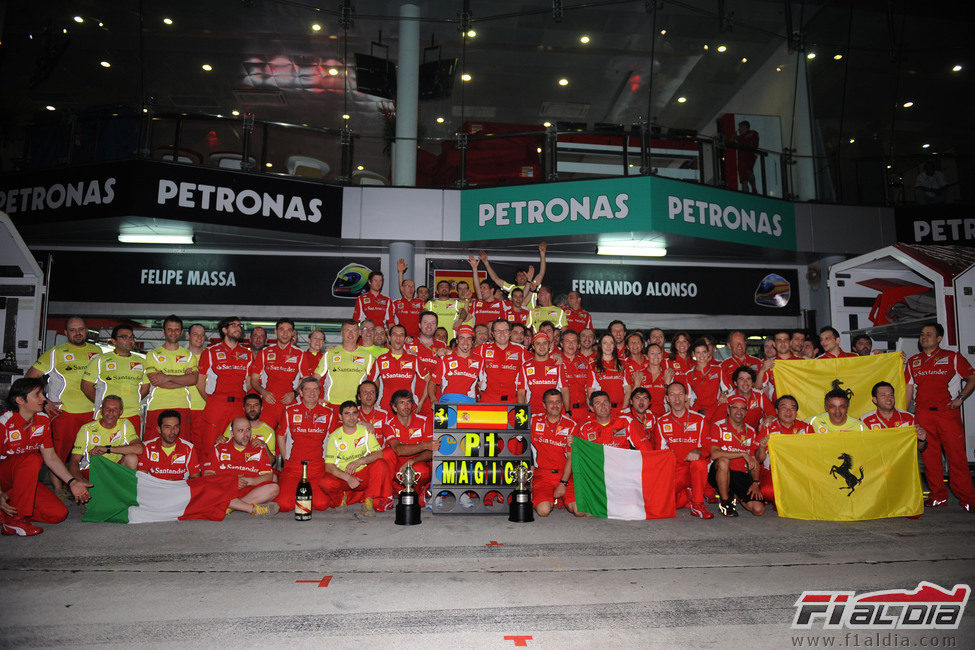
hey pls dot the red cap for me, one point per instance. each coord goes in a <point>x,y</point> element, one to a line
<point>739,400</point>
<point>465,329</point>
<point>541,336</point>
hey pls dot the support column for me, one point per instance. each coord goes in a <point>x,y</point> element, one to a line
<point>407,96</point>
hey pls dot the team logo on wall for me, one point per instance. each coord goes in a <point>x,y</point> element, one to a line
<point>773,291</point>
<point>351,281</point>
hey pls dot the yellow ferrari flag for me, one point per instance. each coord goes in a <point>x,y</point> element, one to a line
<point>846,476</point>
<point>809,380</point>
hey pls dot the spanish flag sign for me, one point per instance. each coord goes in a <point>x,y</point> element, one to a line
<point>846,476</point>
<point>809,380</point>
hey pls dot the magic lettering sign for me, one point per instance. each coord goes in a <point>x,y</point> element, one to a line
<point>644,203</point>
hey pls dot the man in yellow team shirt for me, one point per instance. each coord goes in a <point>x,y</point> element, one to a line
<point>253,406</point>
<point>835,418</point>
<point>443,306</point>
<point>111,435</point>
<point>119,372</point>
<point>354,466</point>
<point>170,370</point>
<point>344,366</point>
<point>524,278</point>
<point>546,311</point>
<point>67,405</point>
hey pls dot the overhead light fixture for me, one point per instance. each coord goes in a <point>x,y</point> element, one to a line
<point>235,113</point>
<point>79,19</point>
<point>563,81</point>
<point>50,108</point>
<point>925,146</point>
<point>106,64</point>
<point>360,167</point>
<point>852,140</point>
<point>631,248</point>
<point>154,238</point>
<point>316,27</point>
<point>584,39</point>
<point>778,68</point>
<point>811,56</point>
<point>101,24</point>
<point>333,71</point>
<point>888,166</point>
<point>663,32</point>
<point>744,59</point>
<point>168,21</point>
<point>837,57</point>
<point>268,165</point>
<point>439,120</point>
<point>465,77</point>
<point>346,116</point>
<point>705,46</point>
<point>538,150</point>
<point>681,100</point>
<point>207,67</point>
<point>546,124</point>
<point>471,33</point>
<point>722,48</point>
<point>956,68</point>
<point>908,104</point>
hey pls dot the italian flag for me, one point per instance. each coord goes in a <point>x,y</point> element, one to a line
<point>124,496</point>
<point>623,483</point>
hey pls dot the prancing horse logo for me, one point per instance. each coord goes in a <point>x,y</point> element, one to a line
<point>844,471</point>
<point>836,386</point>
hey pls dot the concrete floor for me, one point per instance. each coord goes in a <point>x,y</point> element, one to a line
<point>464,580</point>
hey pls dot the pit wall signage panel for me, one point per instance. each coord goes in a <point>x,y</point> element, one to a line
<point>670,289</point>
<point>197,278</point>
<point>644,203</point>
<point>181,192</point>
<point>481,446</point>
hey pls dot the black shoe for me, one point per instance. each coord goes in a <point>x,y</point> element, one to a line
<point>727,508</point>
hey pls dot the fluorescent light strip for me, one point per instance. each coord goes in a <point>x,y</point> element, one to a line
<point>635,249</point>
<point>155,239</point>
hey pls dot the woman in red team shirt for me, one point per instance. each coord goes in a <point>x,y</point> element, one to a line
<point>655,379</point>
<point>680,360</point>
<point>636,361</point>
<point>611,374</point>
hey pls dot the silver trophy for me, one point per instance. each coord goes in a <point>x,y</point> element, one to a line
<point>520,508</point>
<point>408,504</point>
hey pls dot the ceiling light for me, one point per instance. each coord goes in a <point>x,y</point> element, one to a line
<point>705,46</point>
<point>49,107</point>
<point>154,238</point>
<point>360,167</point>
<point>538,150</point>
<point>681,100</point>
<point>64,31</point>
<point>316,27</point>
<point>268,165</point>
<point>925,146</point>
<point>168,21</point>
<point>101,24</point>
<point>546,124</point>
<point>563,81</point>
<point>888,166</point>
<point>663,32</point>
<point>744,59</point>
<point>106,64</point>
<point>207,67</point>
<point>956,68</point>
<point>584,39</point>
<point>346,116</point>
<point>908,104</point>
<point>837,57</point>
<point>778,69</point>
<point>465,77</point>
<point>235,113</point>
<point>852,140</point>
<point>333,71</point>
<point>145,110</point>
<point>471,33</point>
<point>635,248</point>
<point>79,19</point>
<point>439,120</point>
<point>811,56</point>
<point>722,48</point>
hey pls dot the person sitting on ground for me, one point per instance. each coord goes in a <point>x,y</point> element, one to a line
<point>734,472</point>
<point>354,465</point>
<point>835,419</point>
<point>251,464</point>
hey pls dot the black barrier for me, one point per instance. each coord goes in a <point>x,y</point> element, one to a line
<point>481,445</point>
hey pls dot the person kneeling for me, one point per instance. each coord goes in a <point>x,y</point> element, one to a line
<point>734,472</point>
<point>111,435</point>
<point>354,463</point>
<point>248,460</point>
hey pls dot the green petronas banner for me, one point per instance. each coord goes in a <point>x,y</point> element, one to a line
<point>641,203</point>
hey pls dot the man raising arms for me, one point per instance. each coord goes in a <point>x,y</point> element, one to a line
<point>407,309</point>
<point>576,317</point>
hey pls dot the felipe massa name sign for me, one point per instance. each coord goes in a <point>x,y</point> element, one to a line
<point>644,203</point>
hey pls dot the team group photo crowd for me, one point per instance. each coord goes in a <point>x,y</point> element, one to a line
<point>349,419</point>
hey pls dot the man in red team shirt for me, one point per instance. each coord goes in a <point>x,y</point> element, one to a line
<point>167,456</point>
<point>829,341</point>
<point>301,436</point>
<point>759,406</point>
<point>603,428</point>
<point>25,445</point>
<point>399,370</point>
<point>685,432</point>
<point>786,422</point>
<point>407,309</point>
<point>311,357</point>
<point>515,311</point>
<point>734,469</point>
<point>502,362</point>
<point>618,331</point>
<point>932,375</point>
<point>888,417</point>
<point>429,350</point>
<point>373,304</point>
<point>485,307</point>
<point>577,373</point>
<point>551,436</point>
<point>222,382</point>
<point>783,352</point>
<point>576,317</point>
<point>251,464</point>
<point>367,397</point>
<point>739,357</point>
<point>409,438</point>
<point>275,372</point>
<point>541,373</point>
<point>456,375</point>
<point>639,414</point>
<point>587,343</point>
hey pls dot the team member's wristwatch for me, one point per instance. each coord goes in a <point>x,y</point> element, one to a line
<point>108,449</point>
<point>565,483</point>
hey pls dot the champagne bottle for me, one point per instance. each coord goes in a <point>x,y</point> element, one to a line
<point>303,495</point>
